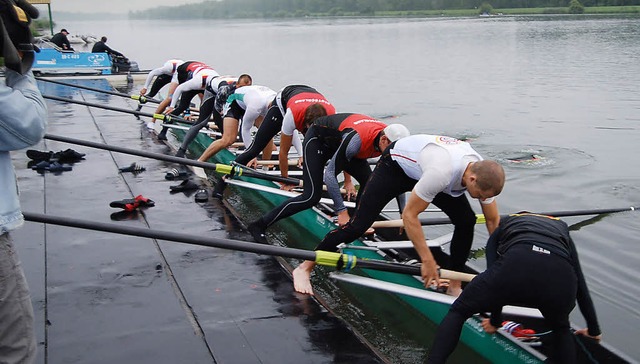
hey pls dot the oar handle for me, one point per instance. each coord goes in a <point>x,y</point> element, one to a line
<point>456,276</point>
<point>140,98</point>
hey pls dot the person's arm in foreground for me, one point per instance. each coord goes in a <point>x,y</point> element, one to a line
<point>23,112</point>
<point>413,228</point>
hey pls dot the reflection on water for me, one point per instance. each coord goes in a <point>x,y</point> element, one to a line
<point>564,88</point>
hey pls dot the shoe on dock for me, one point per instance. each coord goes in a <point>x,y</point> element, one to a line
<point>134,168</point>
<point>175,174</point>
<point>186,185</point>
<point>68,156</point>
<point>37,155</point>
<point>202,196</point>
<point>257,230</point>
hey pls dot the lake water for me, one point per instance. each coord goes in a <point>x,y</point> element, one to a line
<point>564,88</point>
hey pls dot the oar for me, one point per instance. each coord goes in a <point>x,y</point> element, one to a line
<point>241,170</point>
<point>481,220</point>
<point>220,168</point>
<point>330,259</point>
<point>236,169</point>
<point>163,117</point>
<point>141,99</point>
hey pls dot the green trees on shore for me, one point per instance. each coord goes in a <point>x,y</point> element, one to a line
<point>223,9</point>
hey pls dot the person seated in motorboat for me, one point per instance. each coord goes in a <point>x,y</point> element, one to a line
<point>60,39</point>
<point>102,46</point>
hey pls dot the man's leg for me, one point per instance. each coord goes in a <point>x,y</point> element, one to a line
<point>312,189</point>
<point>229,136</point>
<point>270,126</point>
<point>160,109</point>
<point>203,119</point>
<point>17,337</point>
<point>159,83</point>
<point>464,221</point>
<point>386,181</point>
<point>479,296</point>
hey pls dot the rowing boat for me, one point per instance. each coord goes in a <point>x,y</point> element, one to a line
<point>253,196</point>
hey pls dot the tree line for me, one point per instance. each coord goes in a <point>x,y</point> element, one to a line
<point>224,9</point>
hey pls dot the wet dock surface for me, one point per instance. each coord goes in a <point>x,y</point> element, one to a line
<point>107,298</point>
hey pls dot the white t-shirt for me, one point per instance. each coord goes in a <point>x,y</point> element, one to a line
<point>168,68</point>
<point>197,82</point>
<point>436,162</point>
<point>255,101</point>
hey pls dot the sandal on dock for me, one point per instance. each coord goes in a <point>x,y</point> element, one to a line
<point>128,204</point>
<point>175,174</point>
<point>134,168</point>
<point>144,202</point>
<point>186,185</point>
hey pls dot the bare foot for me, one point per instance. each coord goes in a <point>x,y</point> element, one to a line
<point>455,288</point>
<point>302,280</point>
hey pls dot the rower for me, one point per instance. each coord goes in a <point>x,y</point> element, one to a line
<point>551,283</point>
<point>346,141</point>
<point>436,169</point>
<point>163,75</point>
<point>183,73</point>
<point>216,92</point>
<point>293,109</point>
<point>249,103</point>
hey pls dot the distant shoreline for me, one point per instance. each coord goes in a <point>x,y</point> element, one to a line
<point>596,10</point>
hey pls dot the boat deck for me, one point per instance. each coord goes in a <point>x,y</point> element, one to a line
<point>107,298</point>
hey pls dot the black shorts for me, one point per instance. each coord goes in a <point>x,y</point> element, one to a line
<point>235,111</point>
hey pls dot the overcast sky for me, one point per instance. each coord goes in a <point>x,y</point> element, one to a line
<point>112,6</point>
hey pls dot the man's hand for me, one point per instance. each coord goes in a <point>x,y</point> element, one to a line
<point>488,328</point>
<point>351,190</point>
<point>168,110</point>
<point>429,272</point>
<point>287,187</point>
<point>343,218</point>
<point>143,91</point>
<point>253,163</point>
<point>585,332</point>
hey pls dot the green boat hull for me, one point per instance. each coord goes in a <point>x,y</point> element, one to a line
<point>311,226</point>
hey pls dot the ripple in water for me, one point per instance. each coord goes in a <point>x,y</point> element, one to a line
<point>540,157</point>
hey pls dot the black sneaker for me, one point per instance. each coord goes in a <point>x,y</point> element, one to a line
<point>218,191</point>
<point>68,156</point>
<point>162,135</point>
<point>257,230</point>
<point>37,155</point>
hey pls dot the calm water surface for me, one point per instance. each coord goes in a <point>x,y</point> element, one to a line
<point>566,89</point>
